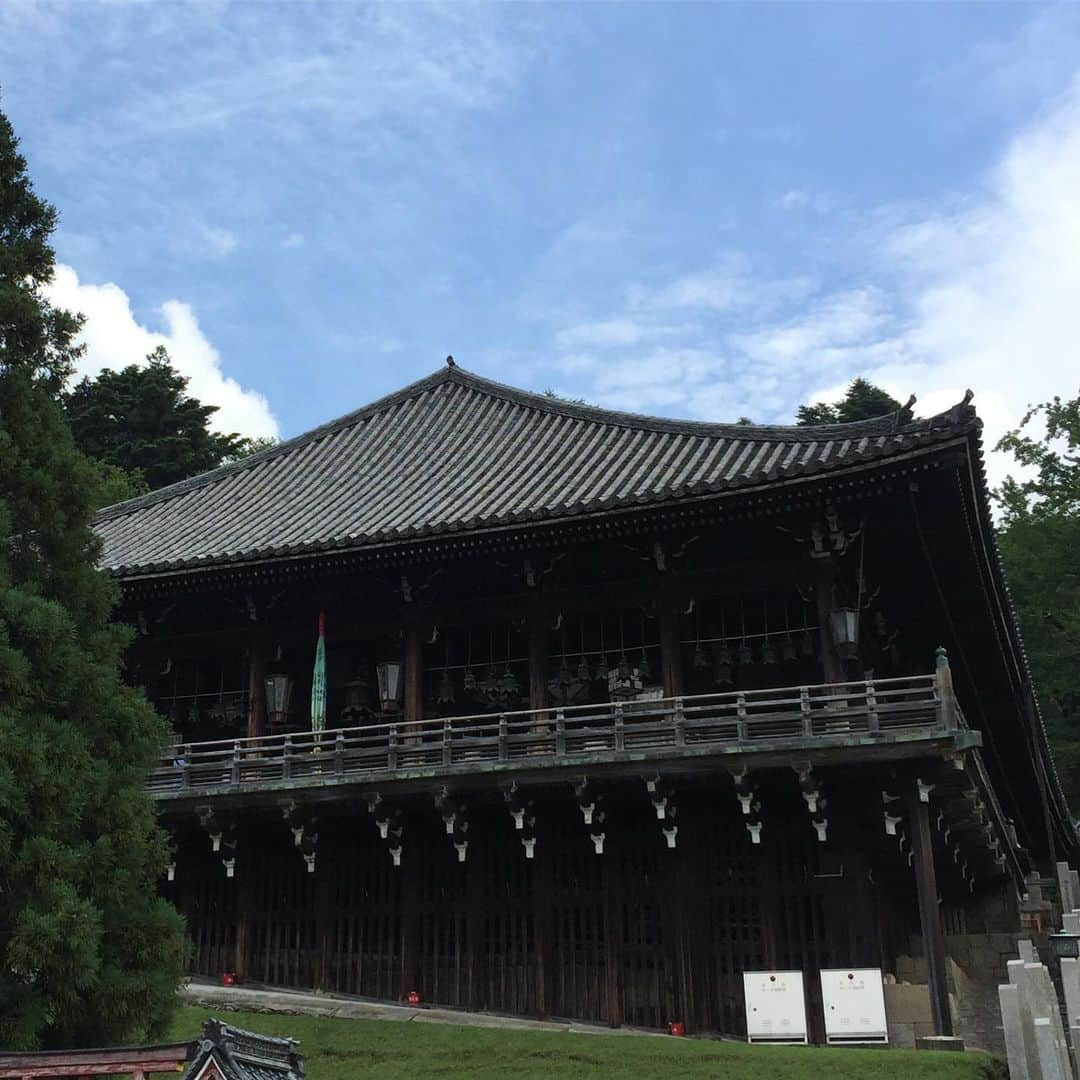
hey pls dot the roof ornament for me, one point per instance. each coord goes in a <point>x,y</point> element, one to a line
<point>450,362</point>
<point>904,413</point>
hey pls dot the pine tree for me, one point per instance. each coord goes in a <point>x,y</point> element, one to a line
<point>141,420</point>
<point>88,953</point>
<point>862,401</point>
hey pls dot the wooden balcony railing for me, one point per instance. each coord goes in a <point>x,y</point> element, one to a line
<point>802,715</point>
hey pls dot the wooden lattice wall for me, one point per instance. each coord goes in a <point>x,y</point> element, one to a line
<point>641,935</point>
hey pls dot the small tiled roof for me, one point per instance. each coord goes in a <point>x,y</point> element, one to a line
<point>456,452</point>
<point>225,1052</point>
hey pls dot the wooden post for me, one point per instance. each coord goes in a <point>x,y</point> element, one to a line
<point>542,932</point>
<point>256,712</point>
<point>946,694</point>
<point>324,923</point>
<point>245,903</point>
<point>613,935</point>
<point>671,654</point>
<point>538,643</point>
<point>477,906</point>
<point>411,883</point>
<point>413,703</point>
<point>825,579</point>
<point>929,915</point>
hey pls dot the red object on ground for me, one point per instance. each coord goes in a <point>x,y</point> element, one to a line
<point>228,978</point>
<point>413,998</point>
<point>676,1027</point>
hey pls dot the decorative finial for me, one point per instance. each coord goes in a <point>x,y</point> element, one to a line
<point>910,404</point>
<point>450,362</point>
<point>942,656</point>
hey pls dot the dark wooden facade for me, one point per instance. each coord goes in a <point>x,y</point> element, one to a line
<point>522,832</point>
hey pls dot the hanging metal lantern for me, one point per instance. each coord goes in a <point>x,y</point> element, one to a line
<point>565,676</point>
<point>789,651</point>
<point>444,695</point>
<point>723,670</point>
<point>278,698</point>
<point>390,684</point>
<point>583,669</point>
<point>602,670</point>
<point>469,680</point>
<point>644,670</point>
<point>768,652</point>
<point>844,623</point>
<point>490,686</point>
<point>746,655</point>
<point>623,669</point>
<point>508,684</point>
<point>700,661</point>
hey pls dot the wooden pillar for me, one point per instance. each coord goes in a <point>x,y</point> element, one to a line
<point>256,712</point>
<point>245,902</point>
<point>671,654</point>
<point>824,581</point>
<point>413,704</point>
<point>324,922</point>
<point>929,913</point>
<point>542,932</point>
<point>477,904</point>
<point>613,934</point>
<point>411,882</point>
<point>538,645</point>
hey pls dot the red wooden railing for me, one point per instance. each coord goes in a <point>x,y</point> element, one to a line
<point>137,1062</point>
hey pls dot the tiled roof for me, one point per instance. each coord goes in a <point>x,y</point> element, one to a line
<point>225,1052</point>
<point>455,452</point>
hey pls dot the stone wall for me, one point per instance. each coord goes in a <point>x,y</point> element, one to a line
<point>976,965</point>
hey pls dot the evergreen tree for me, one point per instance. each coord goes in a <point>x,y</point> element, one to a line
<point>141,420</point>
<point>862,401</point>
<point>88,953</point>
<point>1040,547</point>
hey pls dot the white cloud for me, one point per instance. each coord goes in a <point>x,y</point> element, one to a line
<point>218,242</point>
<point>990,291</point>
<point>981,292</point>
<point>805,199</point>
<point>293,240</point>
<point>114,339</point>
<point>715,290</point>
<point>622,331</point>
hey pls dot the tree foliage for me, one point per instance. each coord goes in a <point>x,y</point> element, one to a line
<point>862,401</point>
<point>1040,548</point>
<point>88,952</point>
<point>141,419</point>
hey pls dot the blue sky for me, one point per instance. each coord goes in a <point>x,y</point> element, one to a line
<point>701,210</point>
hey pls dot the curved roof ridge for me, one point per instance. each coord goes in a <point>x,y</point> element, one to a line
<point>899,420</point>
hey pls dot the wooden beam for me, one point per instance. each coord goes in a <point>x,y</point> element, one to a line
<point>671,654</point>
<point>538,642</point>
<point>257,656</point>
<point>824,582</point>
<point>929,914</point>
<point>613,959</point>
<point>413,705</point>
<point>245,904</point>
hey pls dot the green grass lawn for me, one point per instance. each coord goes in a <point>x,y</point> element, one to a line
<point>344,1049</point>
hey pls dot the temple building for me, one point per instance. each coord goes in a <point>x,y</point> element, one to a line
<point>507,703</point>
